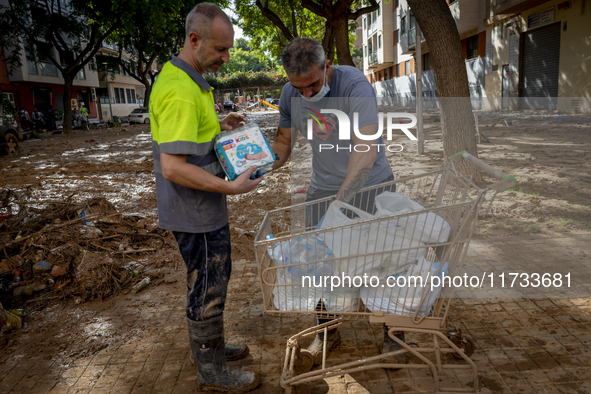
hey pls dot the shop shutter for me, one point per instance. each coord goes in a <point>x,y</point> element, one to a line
<point>540,60</point>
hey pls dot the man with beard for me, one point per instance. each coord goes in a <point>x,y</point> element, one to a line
<point>314,84</point>
<point>191,190</point>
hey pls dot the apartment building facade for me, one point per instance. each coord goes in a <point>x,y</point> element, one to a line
<point>520,54</point>
<point>539,55</point>
<point>118,92</point>
<point>39,84</point>
<point>391,50</point>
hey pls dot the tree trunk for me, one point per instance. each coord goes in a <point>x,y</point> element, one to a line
<point>147,92</point>
<point>341,34</point>
<point>451,79</point>
<point>68,89</point>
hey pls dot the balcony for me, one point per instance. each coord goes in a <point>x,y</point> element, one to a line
<point>498,7</point>
<point>373,59</point>
<point>372,28</point>
<point>468,15</point>
<point>412,41</point>
<point>48,68</point>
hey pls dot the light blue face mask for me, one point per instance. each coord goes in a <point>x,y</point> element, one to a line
<point>322,93</point>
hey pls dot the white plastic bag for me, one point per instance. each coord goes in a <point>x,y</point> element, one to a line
<point>429,227</point>
<point>405,299</point>
<point>373,243</point>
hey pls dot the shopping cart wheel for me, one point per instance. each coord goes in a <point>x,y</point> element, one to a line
<point>303,388</point>
<point>304,362</point>
<point>463,342</point>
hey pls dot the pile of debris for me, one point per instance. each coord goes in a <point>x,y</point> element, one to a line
<point>57,249</point>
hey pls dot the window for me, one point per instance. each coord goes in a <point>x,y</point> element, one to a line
<point>472,47</point>
<point>81,74</point>
<point>407,67</point>
<point>364,24</point>
<point>379,41</point>
<point>46,66</point>
<point>379,9</point>
<point>130,96</point>
<point>31,63</point>
<point>397,70</point>
<point>403,25</point>
<point>391,72</point>
<point>426,61</point>
<point>365,50</point>
<point>497,32</point>
<point>10,97</point>
<point>395,3</point>
<point>119,96</point>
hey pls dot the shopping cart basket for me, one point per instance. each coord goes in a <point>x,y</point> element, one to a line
<point>295,253</point>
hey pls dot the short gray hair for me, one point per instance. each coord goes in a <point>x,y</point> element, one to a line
<point>300,54</point>
<point>200,18</point>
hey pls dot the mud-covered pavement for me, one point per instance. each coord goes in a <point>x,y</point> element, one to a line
<point>138,343</point>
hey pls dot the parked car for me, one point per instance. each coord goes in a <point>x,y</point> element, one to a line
<point>10,131</point>
<point>140,115</point>
<point>230,105</point>
<point>275,102</point>
<point>217,108</point>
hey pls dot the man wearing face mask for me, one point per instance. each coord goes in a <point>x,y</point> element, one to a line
<point>314,85</point>
<point>191,190</point>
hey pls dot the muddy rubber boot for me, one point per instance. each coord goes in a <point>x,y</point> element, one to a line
<point>233,352</point>
<point>208,349</point>
<point>332,340</point>
<point>391,345</point>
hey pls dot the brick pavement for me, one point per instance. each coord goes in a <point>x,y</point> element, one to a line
<point>536,345</point>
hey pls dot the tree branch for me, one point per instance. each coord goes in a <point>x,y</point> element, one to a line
<point>293,20</point>
<point>270,15</point>
<point>313,7</point>
<point>364,10</point>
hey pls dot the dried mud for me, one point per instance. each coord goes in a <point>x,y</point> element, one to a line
<point>550,158</point>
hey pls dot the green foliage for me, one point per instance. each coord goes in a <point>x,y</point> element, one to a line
<point>72,27</point>
<point>245,58</point>
<point>265,36</point>
<point>248,79</point>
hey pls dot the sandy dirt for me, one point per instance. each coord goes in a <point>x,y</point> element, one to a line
<point>550,157</point>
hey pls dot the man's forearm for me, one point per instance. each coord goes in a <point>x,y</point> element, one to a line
<point>283,146</point>
<point>176,169</point>
<point>282,153</point>
<point>194,177</point>
<point>358,171</point>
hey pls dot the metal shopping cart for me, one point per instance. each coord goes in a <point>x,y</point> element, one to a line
<point>294,254</point>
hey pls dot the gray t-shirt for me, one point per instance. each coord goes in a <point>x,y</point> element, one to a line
<point>350,92</point>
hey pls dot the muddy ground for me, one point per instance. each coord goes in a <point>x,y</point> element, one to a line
<point>550,157</point>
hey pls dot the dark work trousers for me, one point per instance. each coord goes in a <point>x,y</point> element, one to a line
<point>209,265</point>
<point>362,200</point>
<point>314,212</point>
